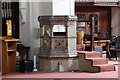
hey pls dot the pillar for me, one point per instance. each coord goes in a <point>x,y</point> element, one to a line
<point>119,20</point>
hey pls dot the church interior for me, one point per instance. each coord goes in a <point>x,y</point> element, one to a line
<point>59,39</point>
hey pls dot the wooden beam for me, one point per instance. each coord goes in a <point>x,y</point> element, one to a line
<point>111,4</point>
<point>84,4</point>
<point>92,33</point>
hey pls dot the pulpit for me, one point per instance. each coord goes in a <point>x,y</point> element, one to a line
<point>57,43</point>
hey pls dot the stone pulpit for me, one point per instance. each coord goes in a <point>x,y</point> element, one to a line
<point>58,43</point>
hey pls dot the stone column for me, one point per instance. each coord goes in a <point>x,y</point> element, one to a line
<point>57,7</point>
<point>119,20</point>
<point>29,27</point>
<point>24,23</point>
<point>119,36</point>
<point>34,29</point>
<point>23,11</point>
<point>114,21</point>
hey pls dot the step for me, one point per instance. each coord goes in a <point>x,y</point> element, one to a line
<point>80,47</point>
<point>98,64</point>
<point>98,61</point>
<point>90,54</point>
<point>106,67</point>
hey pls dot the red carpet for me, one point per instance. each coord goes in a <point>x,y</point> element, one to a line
<point>97,64</point>
<point>80,47</point>
<point>40,74</point>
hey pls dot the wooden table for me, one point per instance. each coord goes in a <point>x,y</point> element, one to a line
<point>8,53</point>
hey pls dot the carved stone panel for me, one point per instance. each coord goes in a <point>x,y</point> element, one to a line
<point>59,44</point>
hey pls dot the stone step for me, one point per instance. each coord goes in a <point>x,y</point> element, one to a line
<point>98,61</point>
<point>90,54</point>
<point>91,61</point>
<point>80,47</point>
<point>106,67</point>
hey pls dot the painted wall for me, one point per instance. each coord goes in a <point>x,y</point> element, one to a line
<point>114,21</point>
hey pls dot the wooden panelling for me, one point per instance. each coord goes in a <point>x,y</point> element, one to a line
<point>15,19</point>
<point>104,17</point>
<point>84,4</point>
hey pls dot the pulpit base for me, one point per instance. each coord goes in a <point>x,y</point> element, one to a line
<point>58,64</point>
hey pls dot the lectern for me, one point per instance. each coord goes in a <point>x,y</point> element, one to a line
<point>8,54</point>
<point>57,43</point>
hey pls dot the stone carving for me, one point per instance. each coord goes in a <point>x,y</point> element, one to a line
<point>60,44</point>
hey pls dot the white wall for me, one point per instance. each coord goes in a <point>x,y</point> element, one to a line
<point>114,21</point>
<point>63,7</point>
<point>45,8</point>
<point>57,7</point>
